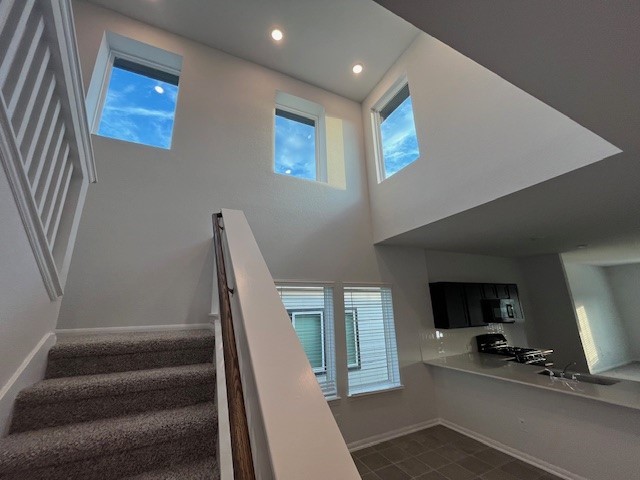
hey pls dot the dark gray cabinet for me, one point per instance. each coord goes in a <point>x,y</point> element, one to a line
<point>460,305</point>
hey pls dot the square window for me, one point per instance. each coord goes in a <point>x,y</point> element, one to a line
<point>396,133</point>
<point>139,104</point>
<point>295,149</point>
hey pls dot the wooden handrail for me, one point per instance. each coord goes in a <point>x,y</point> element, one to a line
<point>240,444</point>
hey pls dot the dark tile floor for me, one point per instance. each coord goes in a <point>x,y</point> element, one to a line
<point>439,453</point>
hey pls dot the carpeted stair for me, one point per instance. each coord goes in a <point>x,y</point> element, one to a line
<point>118,406</point>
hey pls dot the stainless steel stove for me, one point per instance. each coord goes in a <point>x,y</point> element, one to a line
<point>496,343</point>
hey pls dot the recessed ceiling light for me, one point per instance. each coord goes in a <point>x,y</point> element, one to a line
<point>584,245</point>
<point>159,89</point>
<point>357,68</point>
<point>277,34</point>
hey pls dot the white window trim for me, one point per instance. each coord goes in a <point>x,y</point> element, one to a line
<point>112,46</point>
<point>106,79</point>
<point>395,381</point>
<point>323,369</point>
<point>315,112</point>
<point>332,372</point>
<point>376,122</point>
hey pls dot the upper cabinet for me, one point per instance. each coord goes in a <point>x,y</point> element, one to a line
<point>460,305</point>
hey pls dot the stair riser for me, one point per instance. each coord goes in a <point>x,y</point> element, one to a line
<point>126,463</point>
<point>72,366</point>
<point>33,417</point>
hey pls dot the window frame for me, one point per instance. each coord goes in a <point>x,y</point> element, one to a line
<point>292,314</point>
<point>313,111</point>
<point>356,336</point>
<point>119,46</point>
<point>329,333</point>
<point>395,380</point>
<point>376,125</point>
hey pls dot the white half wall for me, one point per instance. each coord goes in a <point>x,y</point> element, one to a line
<point>602,330</point>
<point>590,439</point>
<point>480,138</point>
<point>624,281</point>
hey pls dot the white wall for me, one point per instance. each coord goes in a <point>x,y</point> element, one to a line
<point>480,138</point>
<point>460,267</point>
<point>27,315</point>
<point>624,281</point>
<point>601,327</point>
<point>585,437</point>
<point>143,251</point>
<point>555,324</point>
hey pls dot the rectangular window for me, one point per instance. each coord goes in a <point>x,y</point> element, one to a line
<point>395,132</point>
<point>371,339</point>
<point>310,308</point>
<point>134,91</point>
<point>299,149</point>
<point>295,145</point>
<point>353,339</point>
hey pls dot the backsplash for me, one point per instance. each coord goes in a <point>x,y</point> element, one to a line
<point>436,343</point>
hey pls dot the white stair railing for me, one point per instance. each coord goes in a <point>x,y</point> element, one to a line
<point>45,146</point>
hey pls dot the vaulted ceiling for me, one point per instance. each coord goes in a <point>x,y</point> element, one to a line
<point>322,39</point>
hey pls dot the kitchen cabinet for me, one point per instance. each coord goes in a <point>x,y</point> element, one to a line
<point>460,305</point>
<point>449,305</point>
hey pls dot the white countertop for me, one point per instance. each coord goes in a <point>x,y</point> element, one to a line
<point>625,393</point>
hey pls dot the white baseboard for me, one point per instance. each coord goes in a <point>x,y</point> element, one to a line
<point>559,472</point>
<point>383,437</point>
<point>133,329</point>
<point>30,371</point>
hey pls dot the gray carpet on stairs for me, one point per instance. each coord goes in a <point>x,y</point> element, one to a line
<point>87,355</point>
<point>131,422</point>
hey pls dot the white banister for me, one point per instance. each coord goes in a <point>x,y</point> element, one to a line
<point>293,433</point>
<point>45,146</point>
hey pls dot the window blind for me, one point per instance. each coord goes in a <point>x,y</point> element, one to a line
<point>395,102</point>
<point>310,309</point>
<point>369,321</point>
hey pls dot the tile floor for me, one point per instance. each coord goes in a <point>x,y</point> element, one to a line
<point>439,453</point>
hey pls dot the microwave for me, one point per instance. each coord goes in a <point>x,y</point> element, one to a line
<point>499,310</point>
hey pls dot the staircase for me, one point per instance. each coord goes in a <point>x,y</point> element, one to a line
<point>137,406</point>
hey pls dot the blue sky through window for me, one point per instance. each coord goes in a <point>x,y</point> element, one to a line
<point>295,149</point>
<point>138,109</point>
<point>399,140</point>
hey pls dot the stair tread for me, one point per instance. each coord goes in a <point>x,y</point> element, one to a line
<point>127,343</point>
<point>70,443</point>
<point>62,389</point>
<point>205,469</point>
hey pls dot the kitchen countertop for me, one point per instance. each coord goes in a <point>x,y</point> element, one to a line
<point>625,393</point>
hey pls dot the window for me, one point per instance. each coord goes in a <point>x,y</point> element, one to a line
<point>395,132</point>
<point>311,311</point>
<point>133,92</point>
<point>353,339</point>
<point>310,329</point>
<point>299,138</point>
<point>371,339</point>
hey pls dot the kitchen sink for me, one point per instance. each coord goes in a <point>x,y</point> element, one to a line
<point>579,377</point>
